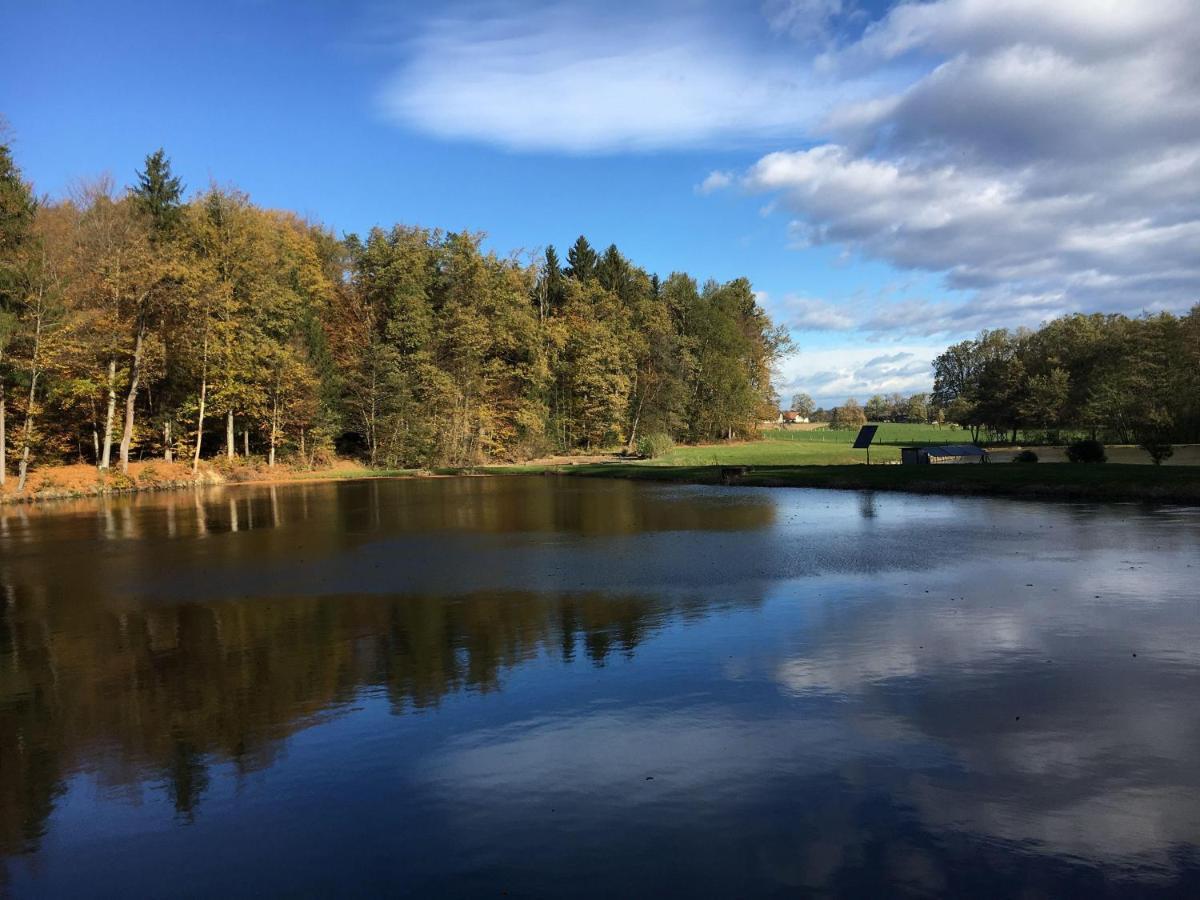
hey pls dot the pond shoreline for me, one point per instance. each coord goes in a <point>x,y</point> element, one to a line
<point>80,482</point>
<point>1108,482</point>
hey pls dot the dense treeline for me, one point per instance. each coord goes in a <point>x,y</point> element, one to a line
<point>1115,378</point>
<point>1120,379</point>
<point>134,324</point>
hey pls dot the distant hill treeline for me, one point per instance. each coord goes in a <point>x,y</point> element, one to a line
<point>135,324</point>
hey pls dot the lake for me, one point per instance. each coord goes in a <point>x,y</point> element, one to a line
<point>541,686</point>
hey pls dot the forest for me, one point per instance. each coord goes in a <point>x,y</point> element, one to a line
<point>136,323</point>
<point>1120,379</point>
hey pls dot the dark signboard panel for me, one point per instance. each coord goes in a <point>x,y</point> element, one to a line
<point>865,435</point>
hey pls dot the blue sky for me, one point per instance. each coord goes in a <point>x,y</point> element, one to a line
<point>892,176</point>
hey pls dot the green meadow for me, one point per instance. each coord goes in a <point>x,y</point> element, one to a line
<point>815,447</point>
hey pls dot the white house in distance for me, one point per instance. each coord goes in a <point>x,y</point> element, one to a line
<point>785,418</point>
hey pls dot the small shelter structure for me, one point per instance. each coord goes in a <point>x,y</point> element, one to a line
<point>947,454</point>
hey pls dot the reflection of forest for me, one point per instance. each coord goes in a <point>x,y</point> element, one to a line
<point>106,667</point>
<point>158,693</point>
<point>487,505</point>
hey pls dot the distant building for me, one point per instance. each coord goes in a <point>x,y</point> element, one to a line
<point>947,454</point>
<point>792,418</point>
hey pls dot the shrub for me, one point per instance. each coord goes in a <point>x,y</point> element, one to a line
<point>652,446</point>
<point>1026,456</point>
<point>150,477</point>
<point>119,481</point>
<point>235,469</point>
<point>321,456</point>
<point>1086,451</point>
<point>1158,450</point>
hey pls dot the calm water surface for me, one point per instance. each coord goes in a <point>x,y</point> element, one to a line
<point>550,687</point>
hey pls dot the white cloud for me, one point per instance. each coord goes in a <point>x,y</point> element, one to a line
<point>587,79</point>
<point>810,314</point>
<point>715,181</point>
<point>832,374</point>
<point>1048,161</point>
<point>806,20</point>
<point>1042,157</point>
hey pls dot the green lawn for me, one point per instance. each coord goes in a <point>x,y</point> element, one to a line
<point>832,448</point>
<point>771,452</point>
<point>819,447</point>
<point>888,433</point>
<point>824,459</point>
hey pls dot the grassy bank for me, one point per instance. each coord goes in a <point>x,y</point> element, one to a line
<point>793,459</point>
<point>1107,482</point>
<point>67,482</point>
<point>823,447</point>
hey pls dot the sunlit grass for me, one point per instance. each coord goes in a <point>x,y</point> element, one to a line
<point>889,433</point>
<point>771,452</point>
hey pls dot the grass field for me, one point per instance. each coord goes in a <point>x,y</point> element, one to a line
<point>822,447</point>
<point>813,447</point>
<point>824,459</point>
<point>897,433</point>
<point>771,452</point>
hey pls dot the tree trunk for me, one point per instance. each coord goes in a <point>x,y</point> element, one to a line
<point>34,374</point>
<point>23,468</point>
<point>246,442</point>
<point>200,425</point>
<point>274,432</point>
<point>167,453</point>
<point>203,398</point>
<point>3,445</point>
<point>229,441</point>
<point>106,452</point>
<point>371,437</point>
<point>131,398</point>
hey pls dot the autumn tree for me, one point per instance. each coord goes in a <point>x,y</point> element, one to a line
<point>803,405</point>
<point>848,416</point>
<point>17,210</point>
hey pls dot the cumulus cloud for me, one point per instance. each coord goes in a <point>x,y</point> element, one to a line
<point>715,181</point>
<point>811,314</point>
<point>831,375</point>
<point>1043,157</point>
<point>1048,159</point>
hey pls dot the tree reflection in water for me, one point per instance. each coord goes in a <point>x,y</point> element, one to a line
<point>862,694</point>
<point>157,693</point>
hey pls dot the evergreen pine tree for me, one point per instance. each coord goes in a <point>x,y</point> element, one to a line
<point>554,291</point>
<point>158,193</point>
<point>582,260</point>
<point>16,203</point>
<point>610,269</point>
